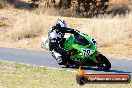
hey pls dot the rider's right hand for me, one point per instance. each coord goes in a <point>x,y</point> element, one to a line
<point>68,53</point>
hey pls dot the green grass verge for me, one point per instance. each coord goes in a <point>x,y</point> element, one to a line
<point>16,75</point>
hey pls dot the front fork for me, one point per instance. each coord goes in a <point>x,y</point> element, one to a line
<point>97,56</point>
<point>94,57</point>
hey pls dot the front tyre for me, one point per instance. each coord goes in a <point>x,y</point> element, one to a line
<point>104,63</point>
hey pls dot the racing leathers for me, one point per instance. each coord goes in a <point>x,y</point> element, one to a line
<point>56,39</point>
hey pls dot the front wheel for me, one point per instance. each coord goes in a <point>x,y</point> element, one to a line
<point>104,63</point>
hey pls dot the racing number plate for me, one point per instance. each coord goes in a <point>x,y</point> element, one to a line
<point>86,52</point>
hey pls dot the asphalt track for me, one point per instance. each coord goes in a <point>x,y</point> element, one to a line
<point>119,66</point>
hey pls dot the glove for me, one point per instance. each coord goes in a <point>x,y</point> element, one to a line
<point>68,53</point>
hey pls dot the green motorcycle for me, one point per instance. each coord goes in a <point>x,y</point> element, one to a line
<point>84,52</point>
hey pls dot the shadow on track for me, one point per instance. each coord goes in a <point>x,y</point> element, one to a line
<point>97,69</point>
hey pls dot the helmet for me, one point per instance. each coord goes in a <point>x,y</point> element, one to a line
<point>60,24</point>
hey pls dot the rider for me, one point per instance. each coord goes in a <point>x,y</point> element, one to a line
<point>56,40</point>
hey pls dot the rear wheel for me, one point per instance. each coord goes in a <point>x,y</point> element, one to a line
<point>104,63</point>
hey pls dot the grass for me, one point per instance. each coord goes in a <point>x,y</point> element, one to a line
<point>3,3</point>
<point>17,75</point>
<point>3,24</point>
<point>29,28</point>
<point>115,29</point>
<point>108,31</point>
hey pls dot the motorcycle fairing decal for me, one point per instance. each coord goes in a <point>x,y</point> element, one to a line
<point>93,41</point>
<point>87,52</point>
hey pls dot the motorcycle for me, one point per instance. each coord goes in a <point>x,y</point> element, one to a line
<point>84,51</point>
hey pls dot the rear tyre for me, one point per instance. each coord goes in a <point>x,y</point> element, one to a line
<point>104,63</point>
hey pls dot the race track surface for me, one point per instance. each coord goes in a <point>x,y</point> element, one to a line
<point>119,66</point>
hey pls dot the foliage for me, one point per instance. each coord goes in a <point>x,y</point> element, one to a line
<point>3,3</point>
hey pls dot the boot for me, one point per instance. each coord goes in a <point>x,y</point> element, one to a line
<point>61,61</point>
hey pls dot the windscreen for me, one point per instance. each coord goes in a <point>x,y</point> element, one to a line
<point>79,39</point>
